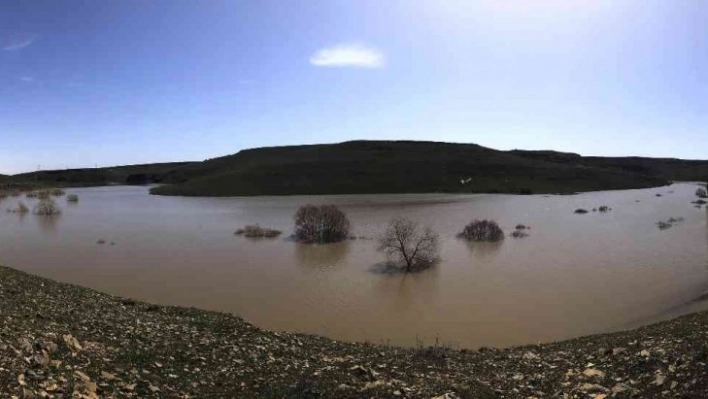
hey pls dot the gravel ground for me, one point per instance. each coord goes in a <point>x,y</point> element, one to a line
<point>63,341</point>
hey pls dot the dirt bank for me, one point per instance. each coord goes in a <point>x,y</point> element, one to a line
<point>59,340</point>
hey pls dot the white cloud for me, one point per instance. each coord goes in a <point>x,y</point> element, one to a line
<point>348,55</point>
<point>27,79</point>
<point>20,44</point>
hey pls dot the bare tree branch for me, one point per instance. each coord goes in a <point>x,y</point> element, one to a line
<point>408,246</point>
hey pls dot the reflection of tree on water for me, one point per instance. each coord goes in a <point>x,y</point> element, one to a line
<point>20,215</point>
<point>405,290</point>
<point>484,250</point>
<point>322,256</point>
<point>48,224</point>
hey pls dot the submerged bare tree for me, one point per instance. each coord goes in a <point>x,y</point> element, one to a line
<point>321,224</point>
<point>409,246</point>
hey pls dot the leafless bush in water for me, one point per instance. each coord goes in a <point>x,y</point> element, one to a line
<point>321,224</point>
<point>47,207</point>
<point>21,208</point>
<point>482,230</point>
<point>409,246</point>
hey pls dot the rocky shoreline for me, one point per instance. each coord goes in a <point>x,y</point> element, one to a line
<point>63,341</point>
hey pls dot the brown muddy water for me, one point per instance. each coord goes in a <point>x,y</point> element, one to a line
<point>573,275</point>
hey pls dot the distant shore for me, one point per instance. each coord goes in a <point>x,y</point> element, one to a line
<point>59,339</point>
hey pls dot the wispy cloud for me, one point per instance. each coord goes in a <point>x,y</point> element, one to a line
<point>348,55</point>
<point>27,79</point>
<point>19,44</point>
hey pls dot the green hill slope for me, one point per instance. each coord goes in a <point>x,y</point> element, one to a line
<point>393,167</point>
<point>663,168</point>
<point>382,167</point>
<point>130,174</point>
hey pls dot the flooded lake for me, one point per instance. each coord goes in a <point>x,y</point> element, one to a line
<point>573,275</point>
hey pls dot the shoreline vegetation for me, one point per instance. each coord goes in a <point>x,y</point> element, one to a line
<point>379,167</point>
<point>59,340</point>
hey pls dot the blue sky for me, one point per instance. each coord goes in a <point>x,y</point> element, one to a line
<point>86,83</point>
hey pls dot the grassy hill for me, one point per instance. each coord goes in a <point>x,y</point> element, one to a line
<point>663,168</point>
<point>397,167</point>
<point>384,167</point>
<point>130,174</point>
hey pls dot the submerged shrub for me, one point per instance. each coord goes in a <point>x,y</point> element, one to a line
<point>47,207</point>
<point>520,231</point>
<point>57,192</point>
<point>20,208</point>
<point>664,225</point>
<point>581,211</point>
<point>321,224</point>
<point>604,208</point>
<point>519,234</point>
<point>701,192</point>
<point>256,231</point>
<point>482,230</point>
<point>72,198</point>
<point>41,194</point>
<point>408,246</point>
